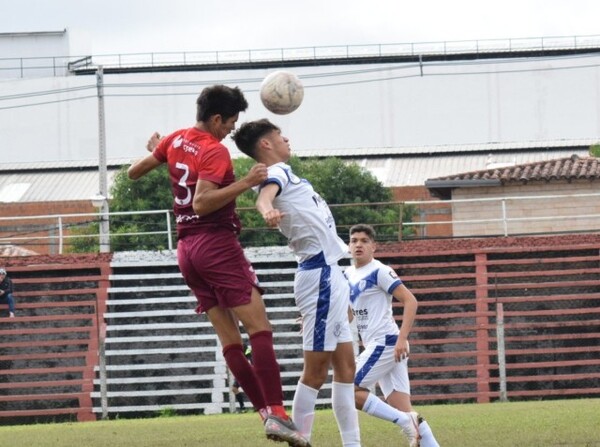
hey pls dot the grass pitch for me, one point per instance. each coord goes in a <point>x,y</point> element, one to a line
<point>559,423</point>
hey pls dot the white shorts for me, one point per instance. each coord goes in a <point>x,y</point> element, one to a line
<point>323,297</point>
<point>376,364</point>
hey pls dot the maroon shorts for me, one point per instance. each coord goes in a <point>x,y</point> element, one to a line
<point>215,267</point>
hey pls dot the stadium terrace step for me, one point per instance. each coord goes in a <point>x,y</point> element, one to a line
<point>160,354</point>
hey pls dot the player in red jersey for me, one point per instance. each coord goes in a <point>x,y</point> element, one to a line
<point>209,254</point>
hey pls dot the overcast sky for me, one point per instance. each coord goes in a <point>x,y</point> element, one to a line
<point>130,26</point>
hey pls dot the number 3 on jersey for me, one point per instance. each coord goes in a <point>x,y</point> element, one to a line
<point>186,172</point>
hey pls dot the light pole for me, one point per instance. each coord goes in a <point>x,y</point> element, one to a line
<point>101,202</point>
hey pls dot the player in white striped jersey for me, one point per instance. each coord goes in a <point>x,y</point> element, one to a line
<point>384,360</point>
<point>320,288</point>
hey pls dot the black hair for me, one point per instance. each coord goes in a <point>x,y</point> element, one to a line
<point>249,133</point>
<point>363,228</point>
<point>220,100</point>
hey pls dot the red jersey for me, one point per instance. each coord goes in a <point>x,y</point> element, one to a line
<point>192,154</point>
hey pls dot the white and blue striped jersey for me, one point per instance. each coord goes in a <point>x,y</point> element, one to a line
<point>371,288</point>
<point>307,222</point>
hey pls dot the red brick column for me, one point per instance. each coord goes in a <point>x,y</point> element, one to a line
<point>98,332</point>
<point>482,323</point>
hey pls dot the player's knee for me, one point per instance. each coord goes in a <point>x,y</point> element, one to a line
<point>314,378</point>
<point>344,373</point>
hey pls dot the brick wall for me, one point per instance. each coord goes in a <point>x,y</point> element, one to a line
<point>41,234</point>
<point>436,212</point>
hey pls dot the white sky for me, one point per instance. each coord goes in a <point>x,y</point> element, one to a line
<point>130,26</point>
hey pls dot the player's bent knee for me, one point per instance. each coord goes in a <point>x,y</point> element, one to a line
<point>360,397</point>
<point>314,378</point>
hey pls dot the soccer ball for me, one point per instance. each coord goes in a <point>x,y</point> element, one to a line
<point>281,92</point>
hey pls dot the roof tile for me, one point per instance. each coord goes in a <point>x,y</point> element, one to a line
<point>569,168</point>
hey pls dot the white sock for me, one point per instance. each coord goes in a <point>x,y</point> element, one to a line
<point>427,438</point>
<point>382,410</point>
<point>303,409</point>
<point>346,415</point>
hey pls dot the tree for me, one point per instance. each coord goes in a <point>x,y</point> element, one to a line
<point>342,183</point>
<point>366,200</point>
<point>151,192</point>
<point>339,183</point>
<point>255,232</point>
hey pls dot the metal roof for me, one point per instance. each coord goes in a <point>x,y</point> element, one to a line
<point>394,167</point>
<point>54,181</point>
<point>51,186</point>
<point>64,164</point>
<point>449,148</point>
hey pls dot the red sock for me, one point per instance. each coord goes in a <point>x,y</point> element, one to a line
<point>245,374</point>
<point>267,368</point>
<point>278,410</point>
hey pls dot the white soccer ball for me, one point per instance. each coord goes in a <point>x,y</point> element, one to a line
<point>281,92</point>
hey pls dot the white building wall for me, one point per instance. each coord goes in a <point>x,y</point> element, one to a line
<point>546,214</point>
<point>33,54</point>
<point>385,105</point>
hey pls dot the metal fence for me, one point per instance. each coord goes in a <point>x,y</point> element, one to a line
<point>512,216</point>
<point>501,216</point>
<point>63,65</point>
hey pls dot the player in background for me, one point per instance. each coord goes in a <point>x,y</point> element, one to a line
<point>385,357</point>
<point>321,291</point>
<point>236,389</point>
<point>209,254</point>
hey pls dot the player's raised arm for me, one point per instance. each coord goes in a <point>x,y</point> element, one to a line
<point>149,162</point>
<point>209,197</point>
<point>153,141</point>
<point>264,204</point>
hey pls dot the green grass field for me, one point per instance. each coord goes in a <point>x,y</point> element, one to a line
<point>564,423</point>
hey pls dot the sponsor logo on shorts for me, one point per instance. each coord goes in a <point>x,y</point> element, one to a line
<point>337,330</point>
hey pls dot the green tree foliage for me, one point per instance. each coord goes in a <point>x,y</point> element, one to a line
<point>255,232</point>
<point>595,150</point>
<point>151,192</point>
<point>339,183</point>
<point>336,181</point>
<point>342,183</point>
<point>84,239</point>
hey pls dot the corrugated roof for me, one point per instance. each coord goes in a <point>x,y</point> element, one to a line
<point>64,164</point>
<point>54,181</point>
<point>449,148</point>
<point>394,167</point>
<point>53,186</point>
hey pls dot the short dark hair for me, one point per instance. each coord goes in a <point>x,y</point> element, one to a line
<point>363,228</point>
<point>220,100</point>
<point>249,133</point>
